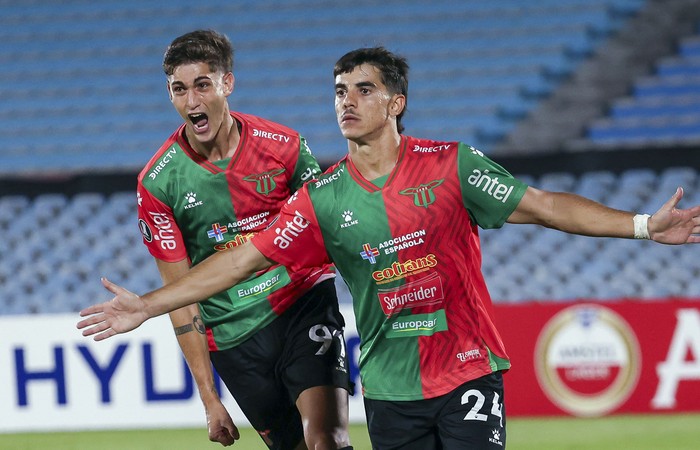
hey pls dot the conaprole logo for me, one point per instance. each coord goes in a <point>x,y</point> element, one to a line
<point>265,182</point>
<point>423,194</point>
<point>587,360</point>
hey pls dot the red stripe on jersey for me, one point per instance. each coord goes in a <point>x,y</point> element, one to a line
<point>470,328</point>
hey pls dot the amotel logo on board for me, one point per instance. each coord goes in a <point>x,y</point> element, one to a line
<point>587,360</point>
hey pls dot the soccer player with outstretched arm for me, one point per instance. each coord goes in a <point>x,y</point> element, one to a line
<point>399,216</point>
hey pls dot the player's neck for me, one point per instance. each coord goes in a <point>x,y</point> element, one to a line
<point>224,144</point>
<point>374,159</point>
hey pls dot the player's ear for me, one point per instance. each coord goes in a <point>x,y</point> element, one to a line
<point>229,82</point>
<point>397,104</point>
<point>170,93</point>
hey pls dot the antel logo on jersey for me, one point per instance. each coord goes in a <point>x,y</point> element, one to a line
<point>491,186</point>
<point>285,236</point>
<point>166,234</point>
<point>167,157</point>
<point>423,292</point>
<point>272,136</point>
<point>587,360</point>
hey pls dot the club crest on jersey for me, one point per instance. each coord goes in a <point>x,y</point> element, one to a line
<point>423,194</point>
<point>217,232</point>
<point>265,182</point>
<point>369,253</point>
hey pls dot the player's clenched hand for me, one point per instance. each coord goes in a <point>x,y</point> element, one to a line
<point>670,225</point>
<point>220,425</point>
<point>123,313</point>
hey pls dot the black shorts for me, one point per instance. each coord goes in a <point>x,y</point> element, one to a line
<point>471,416</point>
<point>302,348</point>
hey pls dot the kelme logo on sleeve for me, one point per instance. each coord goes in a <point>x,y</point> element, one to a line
<point>265,182</point>
<point>423,195</point>
<point>417,325</point>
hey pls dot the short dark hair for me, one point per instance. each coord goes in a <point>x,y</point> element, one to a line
<point>394,70</point>
<point>206,46</point>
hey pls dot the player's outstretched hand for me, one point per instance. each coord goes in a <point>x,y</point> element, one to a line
<point>670,225</point>
<point>125,312</point>
<point>220,425</point>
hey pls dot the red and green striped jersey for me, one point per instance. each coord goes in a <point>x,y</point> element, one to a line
<point>407,245</point>
<point>189,207</point>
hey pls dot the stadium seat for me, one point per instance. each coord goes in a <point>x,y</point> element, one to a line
<point>663,108</point>
<point>86,76</point>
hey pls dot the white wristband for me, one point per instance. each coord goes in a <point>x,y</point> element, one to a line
<point>641,226</point>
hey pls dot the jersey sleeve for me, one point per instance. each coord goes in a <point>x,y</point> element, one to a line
<point>159,230</point>
<point>306,168</point>
<point>489,193</point>
<point>293,238</point>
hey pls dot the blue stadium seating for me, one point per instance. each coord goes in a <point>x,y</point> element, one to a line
<point>56,248</point>
<point>87,93</point>
<point>663,108</point>
<point>87,90</point>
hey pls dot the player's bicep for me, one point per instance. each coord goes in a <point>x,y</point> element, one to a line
<point>294,238</point>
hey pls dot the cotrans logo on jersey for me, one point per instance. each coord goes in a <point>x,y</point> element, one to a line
<point>399,270</point>
<point>240,239</point>
<point>294,227</point>
<point>490,185</point>
<point>423,292</point>
<point>167,157</point>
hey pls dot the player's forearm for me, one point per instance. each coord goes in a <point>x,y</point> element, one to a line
<point>215,274</point>
<point>579,215</point>
<point>572,213</point>
<point>193,344</point>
